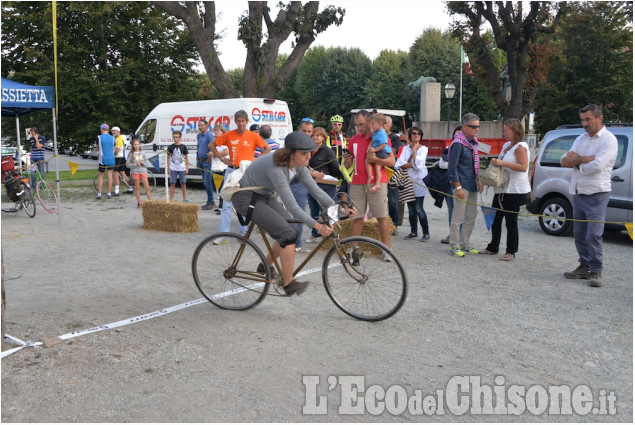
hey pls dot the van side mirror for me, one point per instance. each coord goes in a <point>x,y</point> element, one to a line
<point>143,138</point>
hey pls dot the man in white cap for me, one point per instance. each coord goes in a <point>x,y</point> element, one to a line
<point>120,161</point>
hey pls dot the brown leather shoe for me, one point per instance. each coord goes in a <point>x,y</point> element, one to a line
<point>581,272</point>
<point>295,287</point>
<point>595,280</point>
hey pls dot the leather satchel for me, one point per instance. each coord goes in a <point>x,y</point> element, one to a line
<point>492,176</point>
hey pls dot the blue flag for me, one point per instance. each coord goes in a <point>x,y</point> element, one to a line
<point>155,162</point>
<point>489,213</point>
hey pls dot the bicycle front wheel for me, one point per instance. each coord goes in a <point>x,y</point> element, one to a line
<point>28,203</point>
<point>369,284</point>
<point>152,181</point>
<point>47,197</point>
<point>224,269</point>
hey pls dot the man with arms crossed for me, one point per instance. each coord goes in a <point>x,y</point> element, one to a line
<point>592,157</point>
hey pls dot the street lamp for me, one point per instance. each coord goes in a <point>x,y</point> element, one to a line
<point>449,89</point>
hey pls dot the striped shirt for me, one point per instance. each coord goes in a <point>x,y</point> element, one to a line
<point>38,154</point>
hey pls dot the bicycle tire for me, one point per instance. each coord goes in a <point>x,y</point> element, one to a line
<point>373,290</point>
<point>47,197</point>
<point>152,180</point>
<point>28,203</point>
<point>220,282</point>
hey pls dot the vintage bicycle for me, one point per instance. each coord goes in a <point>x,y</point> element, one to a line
<point>368,283</point>
<point>44,192</point>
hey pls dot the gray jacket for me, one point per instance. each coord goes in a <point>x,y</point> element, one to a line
<point>262,172</point>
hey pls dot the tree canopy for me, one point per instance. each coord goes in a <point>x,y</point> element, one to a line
<point>116,61</point>
<point>518,34</point>
<point>262,36</point>
<point>602,74</point>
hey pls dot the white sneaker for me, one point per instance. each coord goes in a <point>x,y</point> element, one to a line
<point>220,240</point>
<point>312,240</point>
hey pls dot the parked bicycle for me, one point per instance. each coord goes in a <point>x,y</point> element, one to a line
<point>45,193</point>
<point>18,191</point>
<point>360,282</point>
<point>152,181</point>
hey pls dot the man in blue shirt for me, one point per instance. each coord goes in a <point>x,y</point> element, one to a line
<point>106,147</point>
<point>204,161</point>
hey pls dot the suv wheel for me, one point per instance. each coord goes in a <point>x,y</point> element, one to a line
<point>557,212</point>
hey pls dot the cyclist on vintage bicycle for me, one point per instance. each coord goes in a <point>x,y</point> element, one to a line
<point>275,172</point>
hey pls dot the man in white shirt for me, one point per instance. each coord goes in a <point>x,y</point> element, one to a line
<point>591,156</point>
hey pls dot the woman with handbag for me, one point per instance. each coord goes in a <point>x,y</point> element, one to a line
<point>413,159</point>
<point>514,158</point>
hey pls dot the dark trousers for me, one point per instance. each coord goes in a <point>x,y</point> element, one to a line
<point>416,211</point>
<point>511,204</point>
<point>393,205</point>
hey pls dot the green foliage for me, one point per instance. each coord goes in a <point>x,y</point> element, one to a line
<point>437,54</point>
<point>116,61</point>
<point>328,82</point>
<point>602,74</point>
<point>388,84</point>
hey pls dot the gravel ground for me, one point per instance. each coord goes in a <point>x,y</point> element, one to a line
<point>519,322</point>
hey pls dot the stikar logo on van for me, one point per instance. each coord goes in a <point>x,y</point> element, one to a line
<point>190,124</point>
<point>274,116</point>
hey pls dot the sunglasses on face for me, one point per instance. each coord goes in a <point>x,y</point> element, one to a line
<point>416,133</point>
<point>311,120</point>
<point>473,126</point>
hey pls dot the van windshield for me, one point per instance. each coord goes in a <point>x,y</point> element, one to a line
<point>146,134</point>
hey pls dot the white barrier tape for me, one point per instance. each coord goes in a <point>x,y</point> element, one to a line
<point>317,269</point>
<point>132,320</point>
<point>14,339</point>
<point>238,290</point>
<point>11,351</point>
<point>22,345</point>
<point>151,315</point>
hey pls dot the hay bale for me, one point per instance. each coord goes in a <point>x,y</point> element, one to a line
<point>370,229</point>
<point>179,217</point>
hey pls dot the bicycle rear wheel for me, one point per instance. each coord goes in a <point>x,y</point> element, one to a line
<point>28,203</point>
<point>364,286</point>
<point>226,273</point>
<point>47,197</point>
<point>152,181</point>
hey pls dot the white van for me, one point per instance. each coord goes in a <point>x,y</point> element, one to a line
<point>155,133</point>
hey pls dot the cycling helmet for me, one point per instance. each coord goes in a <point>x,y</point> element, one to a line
<point>337,118</point>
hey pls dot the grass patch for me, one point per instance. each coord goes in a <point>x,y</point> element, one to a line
<point>149,370</point>
<point>74,325</point>
<point>66,175</point>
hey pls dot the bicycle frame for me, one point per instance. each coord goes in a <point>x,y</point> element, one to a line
<point>335,236</point>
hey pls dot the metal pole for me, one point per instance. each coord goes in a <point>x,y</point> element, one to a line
<point>461,89</point>
<point>19,145</point>
<point>449,101</point>
<point>57,171</point>
<point>166,179</point>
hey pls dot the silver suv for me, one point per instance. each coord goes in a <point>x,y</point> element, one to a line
<point>550,182</point>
